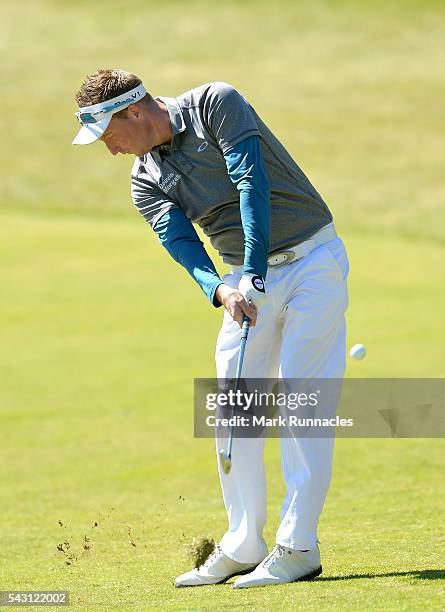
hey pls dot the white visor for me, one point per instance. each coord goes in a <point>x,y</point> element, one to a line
<point>91,132</point>
<point>96,118</point>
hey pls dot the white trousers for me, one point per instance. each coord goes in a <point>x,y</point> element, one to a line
<point>300,333</point>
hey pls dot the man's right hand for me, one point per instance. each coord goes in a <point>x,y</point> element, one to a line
<point>235,304</point>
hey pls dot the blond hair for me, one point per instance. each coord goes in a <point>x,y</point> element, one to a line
<point>105,84</point>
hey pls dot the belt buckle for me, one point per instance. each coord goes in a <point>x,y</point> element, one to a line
<point>281,259</point>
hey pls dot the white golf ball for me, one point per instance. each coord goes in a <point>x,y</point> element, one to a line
<point>358,351</point>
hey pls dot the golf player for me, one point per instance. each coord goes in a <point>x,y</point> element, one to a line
<point>206,158</point>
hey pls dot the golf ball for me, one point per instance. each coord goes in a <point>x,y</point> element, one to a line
<point>358,351</point>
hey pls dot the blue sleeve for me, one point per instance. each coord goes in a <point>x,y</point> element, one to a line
<point>177,234</point>
<point>246,169</point>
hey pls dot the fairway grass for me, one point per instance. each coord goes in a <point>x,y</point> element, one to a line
<point>102,338</point>
<point>354,90</point>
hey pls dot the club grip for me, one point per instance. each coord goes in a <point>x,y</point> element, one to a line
<point>245,327</point>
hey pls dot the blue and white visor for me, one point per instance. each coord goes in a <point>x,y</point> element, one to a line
<point>96,118</point>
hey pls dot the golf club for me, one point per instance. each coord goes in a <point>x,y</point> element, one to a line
<point>226,456</point>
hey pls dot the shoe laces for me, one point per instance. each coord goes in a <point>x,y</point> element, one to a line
<point>216,553</point>
<point>277,553</point>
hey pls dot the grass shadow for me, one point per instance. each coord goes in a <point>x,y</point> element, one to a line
<point>433,574</point>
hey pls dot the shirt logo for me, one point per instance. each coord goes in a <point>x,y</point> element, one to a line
<point>170,181</point>
<point>203,146</point>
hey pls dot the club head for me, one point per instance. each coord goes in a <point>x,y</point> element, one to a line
<point>226,462</point>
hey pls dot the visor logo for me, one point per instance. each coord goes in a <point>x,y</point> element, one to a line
<point>203,146</point>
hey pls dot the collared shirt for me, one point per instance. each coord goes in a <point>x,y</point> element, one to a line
<point>190,173</point>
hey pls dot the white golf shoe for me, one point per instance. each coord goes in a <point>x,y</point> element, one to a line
<point>281,566</point>
<point>217,569</point>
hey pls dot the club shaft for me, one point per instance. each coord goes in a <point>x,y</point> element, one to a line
<point>239,367</point>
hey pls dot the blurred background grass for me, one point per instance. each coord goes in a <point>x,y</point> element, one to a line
<point>103,334</point>
<point>354,90</point>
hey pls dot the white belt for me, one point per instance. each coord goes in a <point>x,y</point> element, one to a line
<point>325,234</point>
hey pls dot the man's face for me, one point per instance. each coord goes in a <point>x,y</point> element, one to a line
<point>130,133</point>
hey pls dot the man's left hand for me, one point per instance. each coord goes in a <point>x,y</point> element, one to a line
<point>253,289</point>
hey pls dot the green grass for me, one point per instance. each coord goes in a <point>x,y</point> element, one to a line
<point>354,90</point>
<point>97,415</point>
<point>102,334</point>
